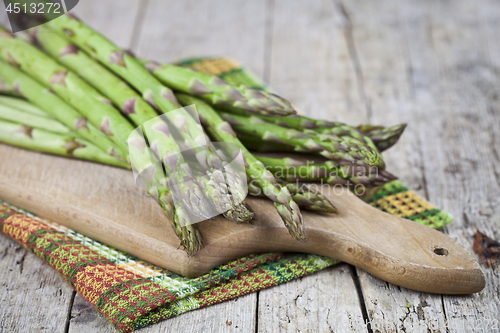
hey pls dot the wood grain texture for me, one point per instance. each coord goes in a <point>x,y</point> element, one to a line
<point>450,55</point>
<point>462,118</point>
<point>33,298</point>
<point>322,302</point>
<point>411,41</point>
<point>389,92</point>
<point>173,30</point>
<point>115,19</point>
<point>310,63</point>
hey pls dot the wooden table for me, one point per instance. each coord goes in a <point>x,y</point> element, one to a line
<point>432,64</point>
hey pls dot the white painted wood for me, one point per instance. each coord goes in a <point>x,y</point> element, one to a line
<point>33,297</point>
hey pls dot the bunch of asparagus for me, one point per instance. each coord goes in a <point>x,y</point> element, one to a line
<point>79,95</point>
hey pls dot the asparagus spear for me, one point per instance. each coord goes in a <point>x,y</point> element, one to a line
<point>257,174</point>
<point>343,150</point>
<point>292,170</point>
<point>216,91</point>
<point>231,196</point>
<point>122,96</point>
<point>125,98</point>
<point>116,59</point>
<point>51,104</point>
<point>18,115</point>
<point>21,104</point>
<point>68,86</point>
<point>142,158</point>
<point>308,199</point>
<point>383,137</point>
<point>40,140</point>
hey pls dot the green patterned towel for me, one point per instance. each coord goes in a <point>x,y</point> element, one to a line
<point>133,294</point>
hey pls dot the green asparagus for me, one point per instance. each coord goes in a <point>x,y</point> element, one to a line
<point>142,158</point>
<point>44,141</point>
<point>343,150</point>
<point>309,199</point>
<point>68,86</point>
<point>292,170</point>
<point>125,98</point>
<point>381,137</point>
<point>16,114</point>
<point>216,91</point>
<point>50,103</point>
<point>257,174</point>
<point>22,105</point>
<point>227,184</point>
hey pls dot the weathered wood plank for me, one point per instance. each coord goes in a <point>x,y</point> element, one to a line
<point>115,19</point>
<point>178,29</point>
<point>323,302</point>
<point>310,65</point>
<point>33,298</point>
<point>459,127</point>
<point>385,65</point>
<point>236,315</point>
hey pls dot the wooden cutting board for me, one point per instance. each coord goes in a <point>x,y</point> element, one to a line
<point>104,203</point>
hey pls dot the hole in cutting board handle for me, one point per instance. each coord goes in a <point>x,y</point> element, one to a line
<point>440,251</point>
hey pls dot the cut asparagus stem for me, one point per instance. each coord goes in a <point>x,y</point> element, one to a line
<point>18,115</point>
<point>257,174</point>
<point>216,91</point>
<point>343,150</point>
<point>54,143</point>
<point>292,170</point>
<point>41,97</point>
<point>68,86</point>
